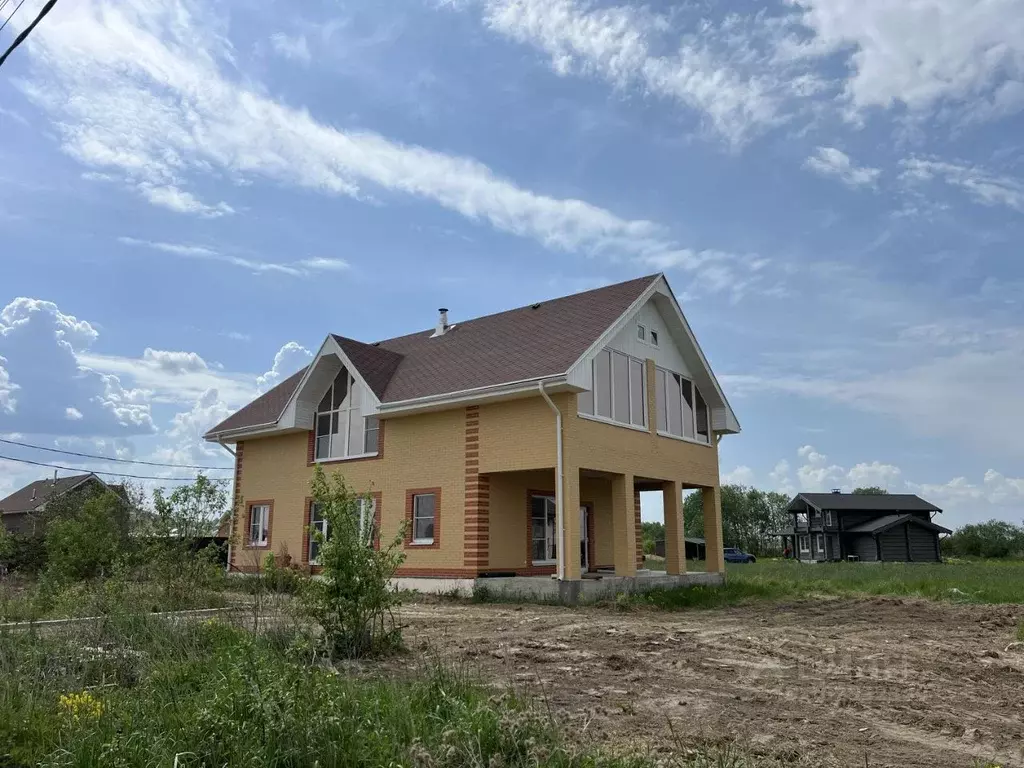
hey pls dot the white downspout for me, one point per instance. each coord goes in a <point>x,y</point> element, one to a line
<point>559,485</point>
<point>231,522</point>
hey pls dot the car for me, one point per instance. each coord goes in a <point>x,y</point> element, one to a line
<point>735,555</point>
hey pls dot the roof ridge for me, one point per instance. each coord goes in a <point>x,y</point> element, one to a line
<point>646,278</point>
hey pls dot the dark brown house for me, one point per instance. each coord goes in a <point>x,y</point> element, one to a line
<point>20,513</point>
<point>863,527</point>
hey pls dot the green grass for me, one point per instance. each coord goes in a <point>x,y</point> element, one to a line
<point>985,582</point>
<point>143,691</point>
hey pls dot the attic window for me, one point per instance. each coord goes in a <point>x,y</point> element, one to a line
<point>654,338</point>
<point>641,333</point>
<point>343,428</point>
<point>682,411</point>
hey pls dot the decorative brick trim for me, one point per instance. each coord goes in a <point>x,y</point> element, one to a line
<point>639,530</point>
<point>248,524</point>
<point>438,573</point>
<point>436,544</point>
<point>476,536</point>
<point>311,448</point>
<point>236,501</point>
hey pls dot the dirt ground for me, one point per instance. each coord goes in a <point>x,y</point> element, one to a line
<point>876,682</point>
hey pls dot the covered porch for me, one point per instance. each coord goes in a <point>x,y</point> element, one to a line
<point>591,543</point>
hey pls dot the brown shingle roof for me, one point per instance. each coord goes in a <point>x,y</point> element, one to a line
<point>265,409</point>
<point>542,339</point>
<point>34,494</point>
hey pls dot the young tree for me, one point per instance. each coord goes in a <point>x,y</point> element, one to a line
<point>87,544</point>
<point>179,519</point>
<point>353,600</point>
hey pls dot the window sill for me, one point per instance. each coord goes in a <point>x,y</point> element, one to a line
<point>421,543</point>
<point>252,545</point>
<point>682,439</point>
<point>334,460</point>
<point>543,562</point>
<point>611,422</point>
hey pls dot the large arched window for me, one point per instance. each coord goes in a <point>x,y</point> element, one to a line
<point>343,428</point>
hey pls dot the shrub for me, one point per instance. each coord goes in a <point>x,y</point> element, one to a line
<point>353,600</point>
<point>85,545</point>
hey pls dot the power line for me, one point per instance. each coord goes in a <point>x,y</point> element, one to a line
<point>97,472</point>
<point>27,30</point>
<point>16,9</point>
<point>3,3</point>
<point>111,458</point>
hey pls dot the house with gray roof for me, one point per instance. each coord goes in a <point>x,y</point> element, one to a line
<point>863,527</point>
<point>21,511</point>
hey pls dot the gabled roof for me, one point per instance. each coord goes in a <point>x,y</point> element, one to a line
<point>863,502</point>
<point>536,342</point>
<point>34,495</point>
<point>884,523</point>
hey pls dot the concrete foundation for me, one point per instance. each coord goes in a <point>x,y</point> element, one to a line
<point>591,589</point>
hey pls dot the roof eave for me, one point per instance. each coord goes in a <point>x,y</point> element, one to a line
<point>508,390</point>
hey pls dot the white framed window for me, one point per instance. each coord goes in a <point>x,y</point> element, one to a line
<point>820,542</point>
<point>681,409</point>
<point>424,517</point>
<point>654,338</point>
<point>343,427</point>
<point>543,535</point>
<point>618,391</point>
<point>367,509</point>
<point>259,525</point>
<point>805,544</point>
<point>641,333</point>
<point>801,519</point>
<point>829,520</point>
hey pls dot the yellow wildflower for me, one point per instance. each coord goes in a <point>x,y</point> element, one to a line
<point>81,705</point>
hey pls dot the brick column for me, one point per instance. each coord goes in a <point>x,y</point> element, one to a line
<point>624,525</point>
<point>571,521</point>
<point>675,542</point>
<point>476,539</point>
<point>712,499</point>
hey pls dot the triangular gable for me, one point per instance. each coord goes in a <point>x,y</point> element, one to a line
<point>722,416</point>
<point>298,413</point>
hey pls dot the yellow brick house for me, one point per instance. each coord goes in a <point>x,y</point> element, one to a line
<point>515,444</point>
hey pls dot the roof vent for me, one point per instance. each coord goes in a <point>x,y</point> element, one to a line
<point>837,490</point>
<point>442,323</point>
<point>535,306</point>
<point>33,494</point>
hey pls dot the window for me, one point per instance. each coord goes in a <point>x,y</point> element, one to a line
<point>424,511</point>
<point>544,546</point>
<point>259,525</point>
<point>343,428</point>
<point>805,544</point>
<point>829,520</point>
<point>641,333</point>
<point>619,389</point>
<point>654,338</point>
<point>801,519</point>
<point>681,408</point>
<point>367,508</point>
<point>820,542</point>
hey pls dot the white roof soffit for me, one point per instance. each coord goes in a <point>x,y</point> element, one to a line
<point>313,378</point>
<point>704,377</point>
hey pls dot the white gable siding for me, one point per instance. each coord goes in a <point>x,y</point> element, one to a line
<point>666,354</point>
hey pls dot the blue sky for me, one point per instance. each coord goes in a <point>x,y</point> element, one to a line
<point>191,198</point>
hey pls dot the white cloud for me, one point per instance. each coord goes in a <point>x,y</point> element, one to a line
<point>816,473</point>
<point>295,48</point>
<point>180,201</point>
<point>190,251</point>
<point>123,99</point>
<point>324,264</point>
<point>7,389</point>
<point>875,474</point>
<point>983,186</point>
<point>780,480</point>
<point>289,358</point>
<point>174,363</point>
<point>741,475</point>
<point>41,347</point>
<point>922,54</point>
<point>718,70</point>
<point>829,161</point>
